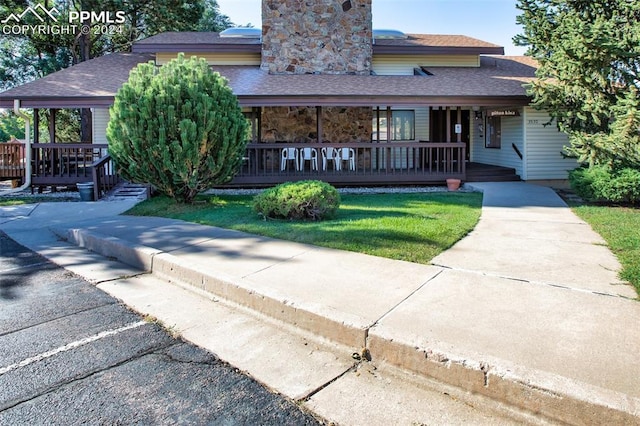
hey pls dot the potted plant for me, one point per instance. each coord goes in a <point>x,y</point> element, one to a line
<point>453,184</point>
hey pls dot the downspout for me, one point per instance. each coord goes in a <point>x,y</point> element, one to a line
<point>27,149</point>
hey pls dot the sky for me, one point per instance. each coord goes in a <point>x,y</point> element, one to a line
<point>488,20</point>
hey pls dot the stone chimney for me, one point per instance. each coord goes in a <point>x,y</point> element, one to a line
<point>316,36</point>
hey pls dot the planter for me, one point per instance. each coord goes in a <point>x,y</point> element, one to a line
<point>453,184</point>
<point>86,191</point>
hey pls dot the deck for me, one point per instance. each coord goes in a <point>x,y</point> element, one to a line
<point>264,164</point>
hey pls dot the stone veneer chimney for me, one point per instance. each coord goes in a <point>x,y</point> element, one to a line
<point>316,36</point>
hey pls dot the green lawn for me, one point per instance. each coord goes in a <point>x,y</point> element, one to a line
<point>15,201</point>
<point>411,227</point>
<point>620,227</point>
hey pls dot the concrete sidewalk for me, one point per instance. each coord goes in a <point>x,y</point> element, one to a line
<point>526,310</point>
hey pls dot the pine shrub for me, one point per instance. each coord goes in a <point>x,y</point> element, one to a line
<point>308,200</point>
<point>178,127</point>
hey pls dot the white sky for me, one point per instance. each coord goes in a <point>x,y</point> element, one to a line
<point>489,20</point>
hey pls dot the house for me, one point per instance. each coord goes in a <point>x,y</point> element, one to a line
<point>331,98</point>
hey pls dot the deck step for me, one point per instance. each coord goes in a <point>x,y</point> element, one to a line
<point>487,173</point>
<point>127,190</point>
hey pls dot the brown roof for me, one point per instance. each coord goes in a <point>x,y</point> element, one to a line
<point>499,80</point>
<point>436,43</point>
<point>195,42</point>
<point>414,43</point>
<point>87,84</point>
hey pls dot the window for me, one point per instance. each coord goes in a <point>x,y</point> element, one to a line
<point>493,135</point>
<point>402,125</point>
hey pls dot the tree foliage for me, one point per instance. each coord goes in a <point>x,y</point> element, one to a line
<point>589,58</point>
<point>178,127</point>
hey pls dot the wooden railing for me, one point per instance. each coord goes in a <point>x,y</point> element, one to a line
<point>359,163</point>
<point>64,163</point>
<point>105,177</point>
<point>12,157</point>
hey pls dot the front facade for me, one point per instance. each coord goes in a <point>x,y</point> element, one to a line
<point>329,97</point>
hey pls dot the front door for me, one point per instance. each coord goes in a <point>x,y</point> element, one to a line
<point>443,130</point>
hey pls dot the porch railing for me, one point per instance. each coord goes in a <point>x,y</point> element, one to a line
<point>359,163</point>
<point>12,157</point>
<point>105,177</point>
<point>64,163</point>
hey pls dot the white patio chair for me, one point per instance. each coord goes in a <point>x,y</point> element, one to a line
<point>309,154</point>
<point>289,154</point>
<point>347,154</point>
<point>330,154</point>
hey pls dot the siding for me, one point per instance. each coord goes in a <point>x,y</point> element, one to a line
<point>215,58</point>
<point>404,64</point>
<point>543,147</point>
<point>512,133</point>
<point>100,121</point>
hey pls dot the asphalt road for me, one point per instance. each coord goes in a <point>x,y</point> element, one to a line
<point>71,354</point>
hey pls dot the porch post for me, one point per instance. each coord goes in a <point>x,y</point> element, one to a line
<point>319,123</point>
<point>448,114</point>
<point>459,121</point>
<point>36,125</point>
<point>52,125</point>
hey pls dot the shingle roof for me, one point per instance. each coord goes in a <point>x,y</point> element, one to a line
<point>95,83</point>
<point>497,77</point>
<point>414,43</point>
<point>89,83</point>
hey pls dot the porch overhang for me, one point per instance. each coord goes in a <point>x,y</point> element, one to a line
<point>59,102</point>
<point>368,101</point>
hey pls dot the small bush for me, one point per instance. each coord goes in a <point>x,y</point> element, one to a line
<point>599,183</point>
<point>309,199</point>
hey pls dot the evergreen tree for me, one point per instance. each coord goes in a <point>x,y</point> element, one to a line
<point>589,57</point>
<point>178,127</point>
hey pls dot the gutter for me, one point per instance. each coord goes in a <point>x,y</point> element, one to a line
<point>27,149</point>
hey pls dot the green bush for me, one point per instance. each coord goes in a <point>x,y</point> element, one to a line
<point>178,127</point>
<point>309,199</point>
<point>599,183</point>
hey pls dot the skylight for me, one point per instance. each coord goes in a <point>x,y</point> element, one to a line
<point>242,32</point>
<point>389,35</point>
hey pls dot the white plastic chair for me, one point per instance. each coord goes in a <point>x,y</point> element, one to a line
<point>309,154</point>
<point>289,154</point>
<point>330,154</point>
<point>347,154</point>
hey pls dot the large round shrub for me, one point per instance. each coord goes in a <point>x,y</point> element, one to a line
<point>178,127</point>
<point>600,183</point>
<point>309,199</point>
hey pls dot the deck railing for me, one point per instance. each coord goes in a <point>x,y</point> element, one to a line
<point>12,157</point>
<point>64,163</point>
<point>104,176</point>
<point>356,163</point>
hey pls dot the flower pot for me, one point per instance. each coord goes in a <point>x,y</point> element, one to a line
<point>86,191</point>
<point>453,184</point>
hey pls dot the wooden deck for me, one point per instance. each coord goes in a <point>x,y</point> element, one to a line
<point>352,163</point>
<point>264,164</point>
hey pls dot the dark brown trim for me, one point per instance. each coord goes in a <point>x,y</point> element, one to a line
<point>57,102</point>
<point>436,50</point>
<point>260,101</point>
<point>249,101</point>
<point>196,48</point>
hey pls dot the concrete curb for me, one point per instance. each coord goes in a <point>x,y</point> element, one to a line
<point>544,394</point>
<point>549,395</point>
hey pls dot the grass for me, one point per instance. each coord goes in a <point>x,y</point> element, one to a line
<point>620,227</point>
<point>15,201</point>
<point>410,227</point>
